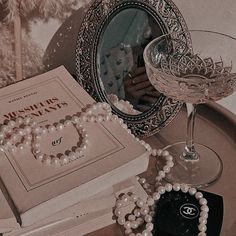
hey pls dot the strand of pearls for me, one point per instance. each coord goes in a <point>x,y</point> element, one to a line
<point>68,156</point>
<point>143,212</point>
<point>14,134</point>
<point>24,133</point>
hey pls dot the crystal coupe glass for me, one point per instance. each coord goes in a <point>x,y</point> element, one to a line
<point>197,73</point>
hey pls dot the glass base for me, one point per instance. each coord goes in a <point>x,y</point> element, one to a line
<point>196,173</point>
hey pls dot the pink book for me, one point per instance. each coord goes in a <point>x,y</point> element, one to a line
<point>36,191</point>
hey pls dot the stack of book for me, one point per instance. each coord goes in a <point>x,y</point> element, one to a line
<point>72,199</point>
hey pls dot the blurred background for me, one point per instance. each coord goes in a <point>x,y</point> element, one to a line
<point>36,36</point>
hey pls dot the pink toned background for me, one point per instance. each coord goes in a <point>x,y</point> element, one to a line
<point>36,36</point>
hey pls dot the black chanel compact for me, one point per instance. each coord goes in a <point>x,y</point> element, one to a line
<point>177,214</point>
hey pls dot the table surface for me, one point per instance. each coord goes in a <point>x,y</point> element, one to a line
<point>216,128</point>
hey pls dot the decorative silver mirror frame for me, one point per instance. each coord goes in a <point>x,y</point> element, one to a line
<point>169,19</point>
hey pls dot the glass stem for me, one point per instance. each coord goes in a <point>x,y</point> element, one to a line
<point>189,153</point>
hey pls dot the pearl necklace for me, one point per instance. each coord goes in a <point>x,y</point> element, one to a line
<point>23,132</point>
<point>144,210</point>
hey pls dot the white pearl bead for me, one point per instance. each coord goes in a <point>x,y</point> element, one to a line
<point>64,160</point>
<point>176,187</point>
<point>131,217</point>
<point>27,142</point>
<point>8,143</point>
<point>47,161</point>
<point>161,174</point>
<point>137,177</point>
<point>36,145</point>
<point>44,131</point>
<point>67,123</point>
<point>168,187</point>
<point>170,164</point>
<point>158,178</point>
<point>37,137</point>
<point>13,149</point>
<point>128,231</point>
<point>203,201</point>
<point>119,204</point>
<point>51,128</point>
<point>205,208</point>
<point>37,130</point>
<point>159,152</point>
<point>27,120</point>
<point>202,234</point>
<point>204,214</point>
<point>132,234</point>
<point>40,156</point>
<point>138,234</point>
<point>156,196</point>
<point>60,126</point>
<point>165,153</point>
<point>72,156</point>
<point>149,226</point>
<point>148,218</point>
<point>19,121</point>
<point>161,189</point>
<point>150,201</point>
<point>55,161</point>
<point>28,130</point>
<point>166,169</point>
<point>192,191</point>
<point>21,132</point>
<point>184,188</point>
<point>145,233</point>
<point>140,203</point>
<point>134,197</point>
<point>36,151</point>
<point>134,225</point>
<point>100,118</point>
<point>33,124</point>
<point>140,220</point>
<point>21,147</point>
<point>169,158</point>
<point>202,227</point>
<point>125,198</point>
<point>117,212</point>
<point>142,180</point>
<point>144,211</point>
<point>154,152</point>
<point>12,123</point>
<point>75,119</point>
<point>15,137</point>
<point>127,225</point>
<point>198,195</point>
<point>202,220</point>
<point>137,212</point>
<point>121,221</point>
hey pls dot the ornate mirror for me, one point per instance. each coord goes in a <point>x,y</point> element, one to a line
<point>109,59</point>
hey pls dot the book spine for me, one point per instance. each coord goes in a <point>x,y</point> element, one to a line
<point>10,202</point>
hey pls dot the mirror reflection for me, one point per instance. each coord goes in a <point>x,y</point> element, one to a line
<point>121,66</point>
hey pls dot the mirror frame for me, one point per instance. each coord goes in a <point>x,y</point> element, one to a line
<point>94,23</point>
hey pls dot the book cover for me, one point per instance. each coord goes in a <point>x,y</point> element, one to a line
<point>39,191</point>
<point>84,217</point>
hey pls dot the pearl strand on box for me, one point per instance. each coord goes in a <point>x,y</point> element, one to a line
<point>144,211</point>
<point>27,130</point>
